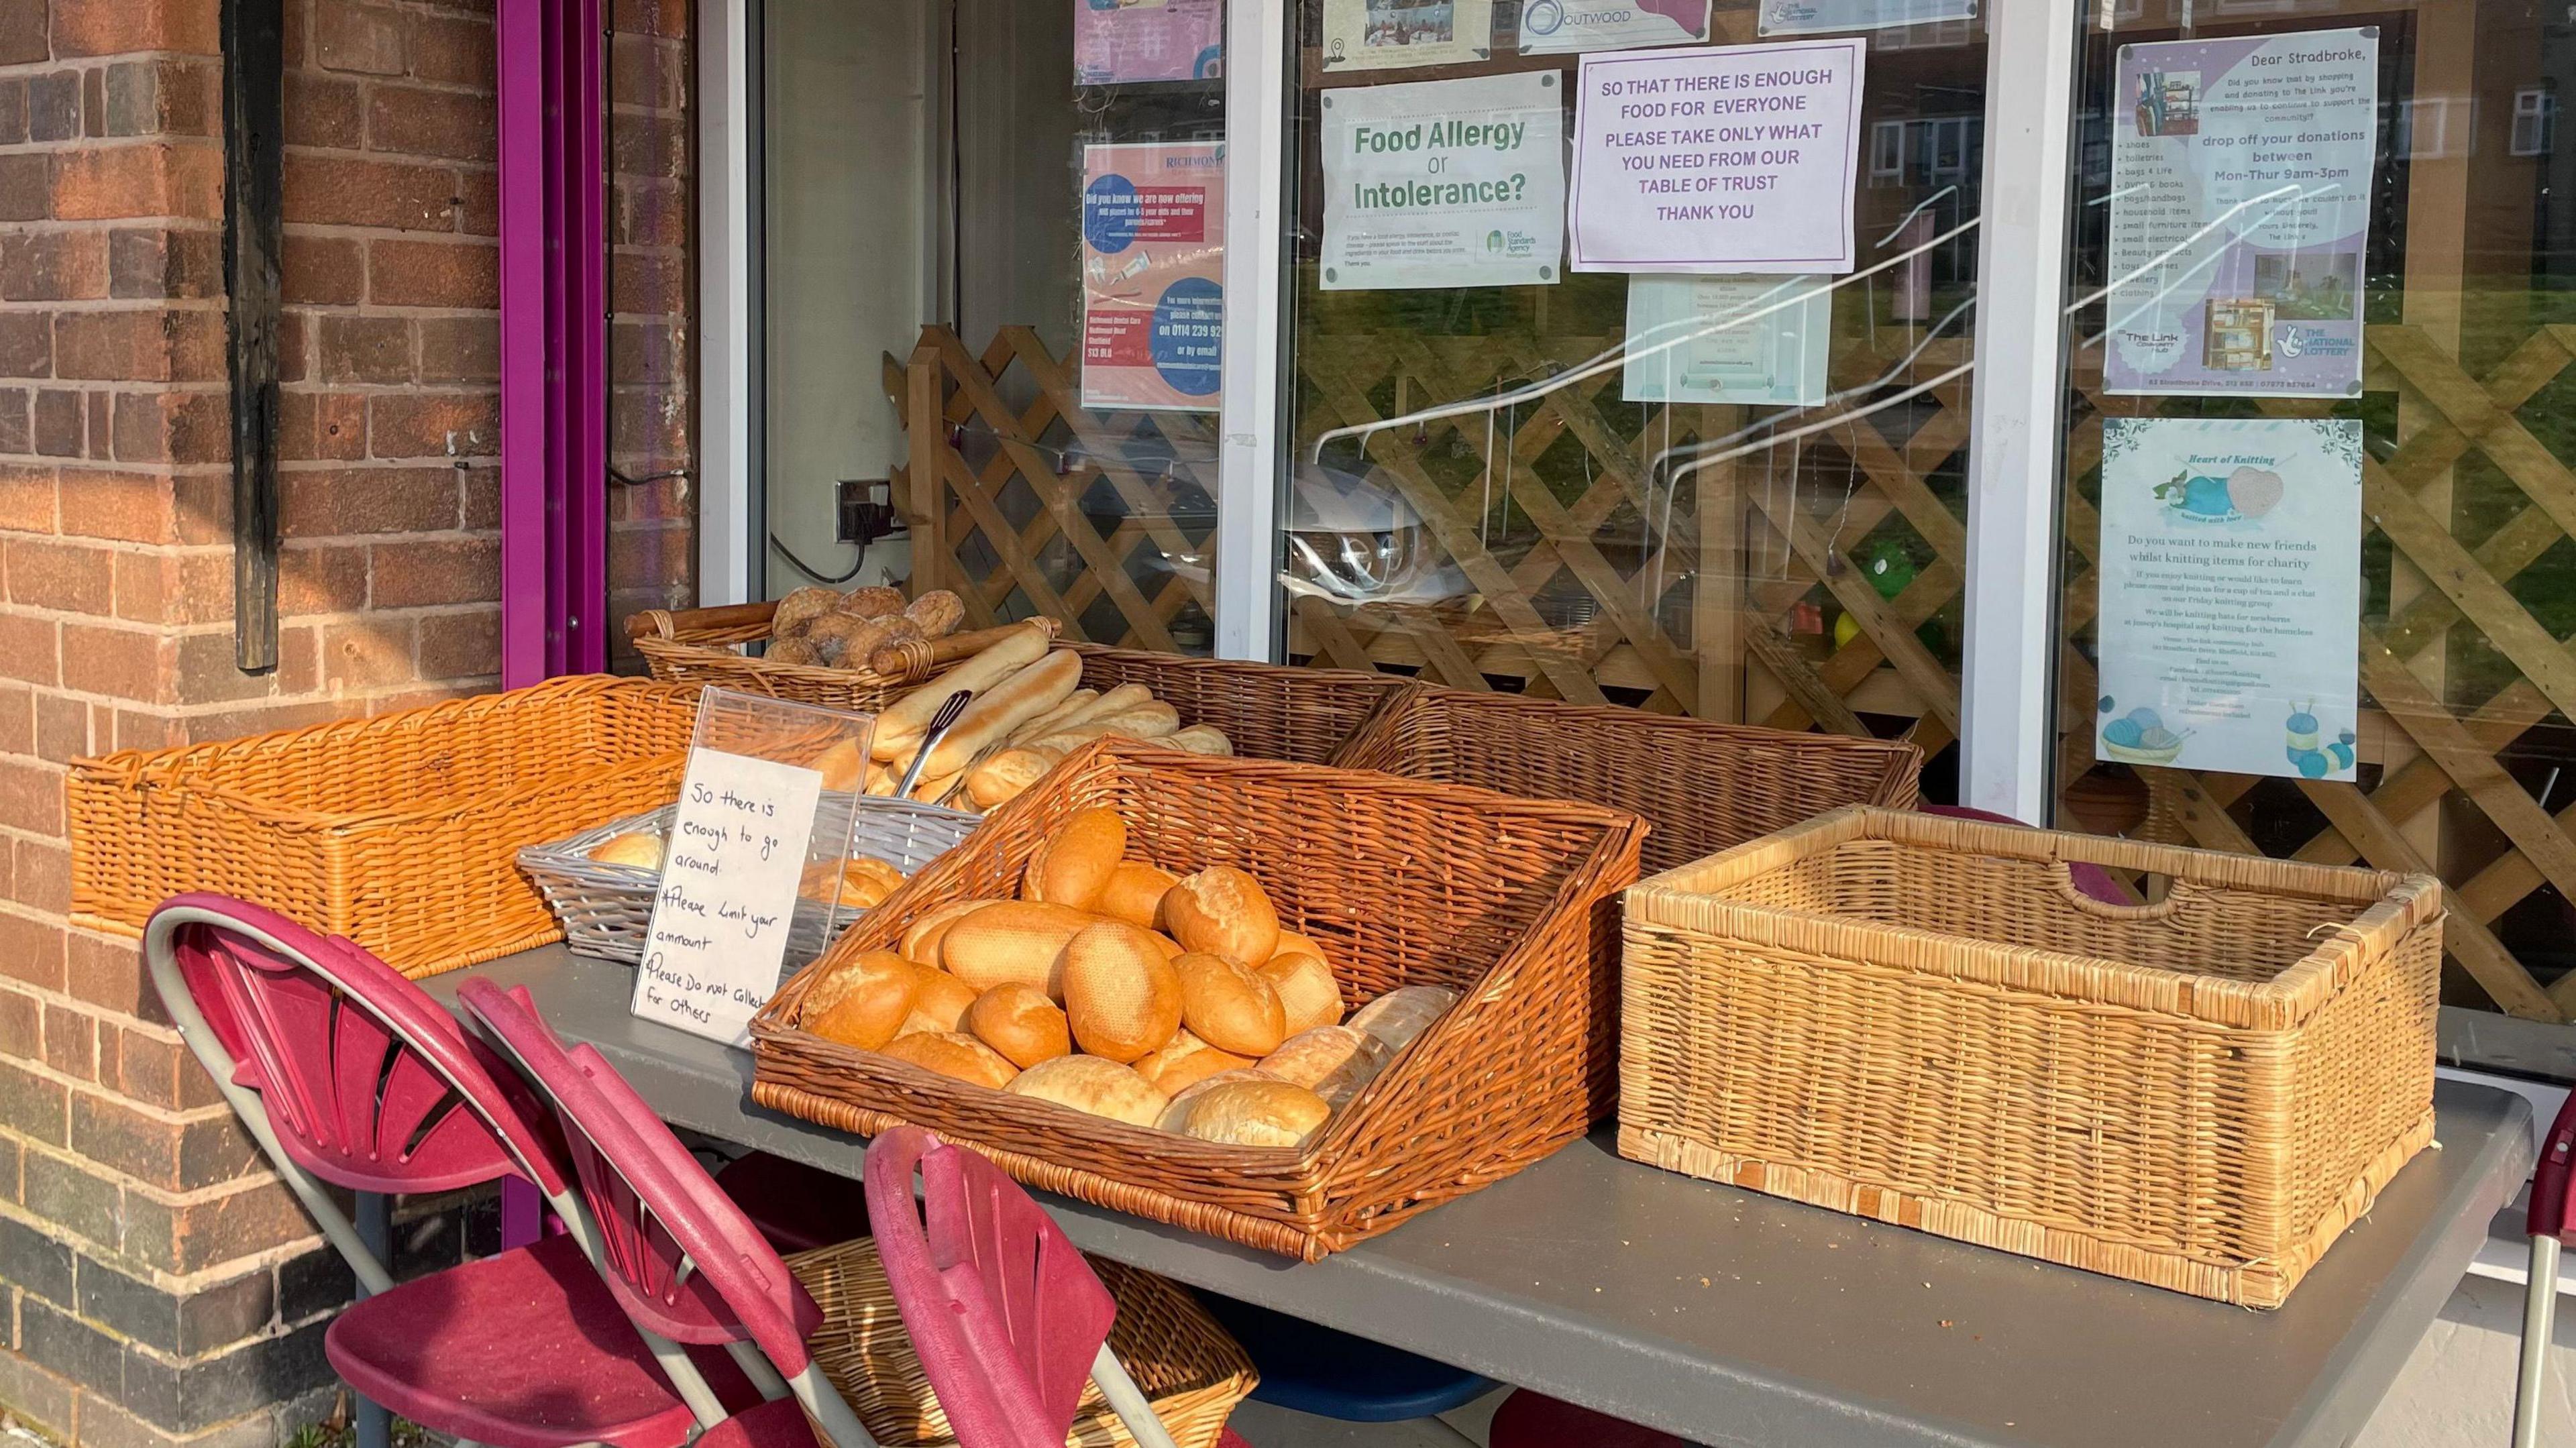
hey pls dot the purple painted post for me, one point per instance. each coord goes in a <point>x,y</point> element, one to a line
<point>524,484</point>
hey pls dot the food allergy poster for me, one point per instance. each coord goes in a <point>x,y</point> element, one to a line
<point>1717,158</point>
<point>1810,17</point>
<point>2231,595</point>
<point>1379,34</point>
<point>1116,41</point>
<point>1444,183</point>
<point>1727,339</point>
<point>2240,215</point>
<point>1562,27</point>
<point>1153,248</point>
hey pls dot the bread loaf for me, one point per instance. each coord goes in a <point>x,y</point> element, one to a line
<point>1021,1023</point>
<point>1255,1113</point>
<point>1134,893</point>
<point>955,1054</point>
<point>939,1003</point>
<point>1116,701</point>
<point>1307,991</point>
<point>861,1001</point>
<point>1150,720</point>
<point>842,766</point>
<point>1004,775</point>
<point>1184,1061</point>
<point>921,938</point>
<point>800,608</point>
<point>1228,1005</point>
<point>1402,1014</point>
<point>1334,1062</point>
<point>1121,996</point>
<point>1072,865</point>
<point>1204,739</point>
<point>1072,704</point>
<point>1020,940</point>
<point>938,612</point>
<point>642,851</point>
<point>874,601</point>
<point>900,727</point>
<point>1222,911</point>
<point>1088,1083</point>
<point>1002,707</point>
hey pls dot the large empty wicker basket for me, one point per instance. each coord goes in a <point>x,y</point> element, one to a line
<point>1920,1020</point>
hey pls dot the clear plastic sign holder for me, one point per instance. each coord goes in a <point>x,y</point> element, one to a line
<point>752,872</point>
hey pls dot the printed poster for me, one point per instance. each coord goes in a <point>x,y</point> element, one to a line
<point>1383,34</point>
<point>1718,158</point>
<point>1444,183</point>
<point>1153,251</point>
<point>1562,27</point>
<point>2240,215</point>
<point>2230,626</point>
<point>1812,17</point>
<point>1116,41</point>
<point>1728,339</point>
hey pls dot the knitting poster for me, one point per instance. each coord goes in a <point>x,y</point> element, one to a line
<point>1153,254</point>
<point>1117,41</point>
<point>2230,622</point>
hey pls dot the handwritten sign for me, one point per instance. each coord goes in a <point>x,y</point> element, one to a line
<point>729,877</point>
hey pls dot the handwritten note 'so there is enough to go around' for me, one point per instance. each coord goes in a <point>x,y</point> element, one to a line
<point>729,876</point>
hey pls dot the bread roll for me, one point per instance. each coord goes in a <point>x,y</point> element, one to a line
<point>1020,940</point>
<point>1306,989</point>
<point>1255,1113</point>
<point>939,1003</point>
<point>1292,943</point>
<point>1187,1097</point>
<point>1228,1005</point>
<point>866,882</point>
<point>1002,707</point>
<point>842,766</point>
<point>954,1053</point>
<point>642,851</point>
<point>1004,775</point>
<point>845,640</point>
<point>932,790</point>
<point>1088,1083</point>
<point>900,727</point>
<point>864,999</point>
<point>792,651</point>
<point>1021,1023</point>
<point>1121,996</point>
<point>938,612</point>
<point>1334,1062</point>
<point>1134,893</point>
<point>800,608</point>
<point>1204,739</point>
<point>1402,1014</point>
<point>1222,911</point>
<point>874,601</point>
<point>1072,865</point>
<point>1184,1061</point>
<point>921,938</point>
<point>1171,948</point>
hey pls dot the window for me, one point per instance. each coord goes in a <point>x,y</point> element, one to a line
<point>2535,121</point>
<point>1886,152</point>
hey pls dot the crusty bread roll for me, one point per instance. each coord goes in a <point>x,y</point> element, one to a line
<point>1019,940</point>
<point>900,727</point>
<point>792,651</point>
<point>863,1000</point>
<point>938,612</point>
<point>1184,1061</point>
<point>1088,1083</point>
<point>1072,865</point>
<point>1255,1113</point>
<point>845,639</point>
<point>921,938</point>
<point>1204,739</point>
<point>1404,1013</point>
<point>1228,1005</point>
<point>954,1053</point>
<point>642,851</point>
<point>1020,1022</point>
<point>1306,989</point>
<point>1003,776</point>
<point>797,609</point>
<point>1171,948</point>
<point>1002,707</point>
<point>1134,893</point>
<point>1334,1062</point>
<point>939,1003</point>
<point>866,882</point>
<point>1178,1112</point>
<point>1121,995</point>
<point>1222,911</point>
<point>1292,943</point>
<point>874,601</point>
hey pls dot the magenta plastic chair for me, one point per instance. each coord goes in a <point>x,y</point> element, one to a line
<point>679,1255</point>
<point>2091,880</point>
<point>1534,1420</point>
<point>1008,1320</point>
<point>347,1075</point>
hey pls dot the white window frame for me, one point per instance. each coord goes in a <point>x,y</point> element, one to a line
<point>2537,107</point>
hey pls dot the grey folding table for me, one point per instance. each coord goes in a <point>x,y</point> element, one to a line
<point>1733,1318</point>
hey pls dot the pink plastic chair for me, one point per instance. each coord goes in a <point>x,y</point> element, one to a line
<point>2092,881</point>
<point>680,1257</point>
<point>346,1075</point>
<point>1008,1320</point>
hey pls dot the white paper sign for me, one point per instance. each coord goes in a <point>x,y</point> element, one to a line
<point>2231,595</point>
<point>1717,159</point>
<point>1727,339</point>
<point>729,877</point>
<point>1383,34</point>
<point>1562,27</point>
<point>1444,183</point>
<point>1811,17</point>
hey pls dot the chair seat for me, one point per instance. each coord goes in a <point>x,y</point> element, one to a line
<point>797,1207</point>
<point>1313,1369</point>
<point>523,1350</point>
<point>1534,1420</point>
<point>781,1424</point>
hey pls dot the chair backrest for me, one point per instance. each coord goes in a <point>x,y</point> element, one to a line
<point>1006,1317</point>
<point>2090,880</point>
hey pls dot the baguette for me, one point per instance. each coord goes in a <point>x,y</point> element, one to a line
<point>1204,739</point>
<point>1003,776</point>
<point>1125,696</point>
<point>900,727</point>
<point>1055,718</point>
<point>933,789</point>
<point>1145,721</point>
<point>1004,707</point>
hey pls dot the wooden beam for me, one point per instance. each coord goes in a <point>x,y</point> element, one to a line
<point>254,40</point>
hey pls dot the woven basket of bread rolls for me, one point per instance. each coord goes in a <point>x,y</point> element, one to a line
<point>1285,1005</point>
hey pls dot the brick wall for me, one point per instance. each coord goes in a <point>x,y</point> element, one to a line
<point>157,1285</point>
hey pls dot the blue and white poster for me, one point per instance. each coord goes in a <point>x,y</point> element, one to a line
<point>1760,340</point>
<point>1153,258</point>
<point>1826,17</point>
<point>2230,623</point>
<point>1564,27</point>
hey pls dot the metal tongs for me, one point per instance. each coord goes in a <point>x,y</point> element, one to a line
<point>940,723</point>
<point>2548,1223</point>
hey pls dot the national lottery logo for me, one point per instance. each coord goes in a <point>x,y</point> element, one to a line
<point>2295,342</point>
<point>2292,342</point>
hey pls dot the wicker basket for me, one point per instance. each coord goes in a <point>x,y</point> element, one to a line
<point>1403,883</point>
<point>397,832</point>
<point>1182,1361</point>
<point>607,910</point>
<point>1704,787</point>
<point>1919,1020</point>
<point>1269,711</point>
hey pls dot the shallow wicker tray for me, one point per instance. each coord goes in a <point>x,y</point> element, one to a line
<point>1403,882</point>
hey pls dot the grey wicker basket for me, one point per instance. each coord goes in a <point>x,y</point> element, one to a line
<point>606,910</point>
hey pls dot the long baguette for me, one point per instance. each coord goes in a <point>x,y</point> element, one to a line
<point>1057,717</point>
<point>900,727</point>
<point>1125,696</point>
<point>1145,721</point>
<point>1004,707</point>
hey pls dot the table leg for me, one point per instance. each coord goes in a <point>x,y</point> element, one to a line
<point>375,1233</point>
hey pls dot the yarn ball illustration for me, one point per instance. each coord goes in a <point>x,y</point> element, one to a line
<point>2207,497</point>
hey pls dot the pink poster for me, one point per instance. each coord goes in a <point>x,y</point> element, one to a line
<point>1153,248</point>
<point>1123,40</point>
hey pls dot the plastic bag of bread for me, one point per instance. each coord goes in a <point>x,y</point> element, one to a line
<point>1334,1062</point>
<point>1404,1013</point>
